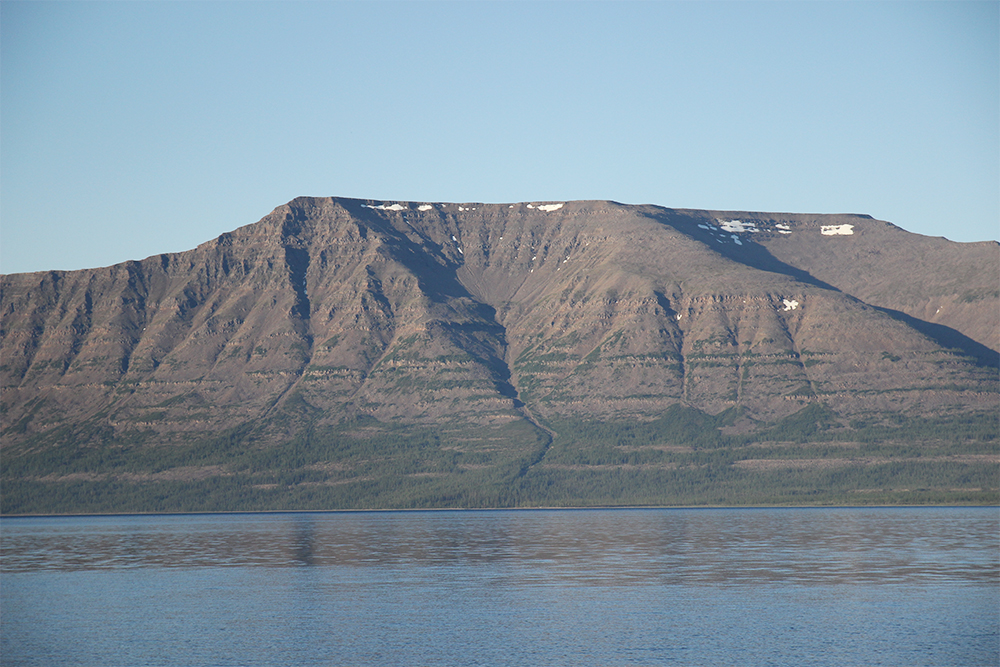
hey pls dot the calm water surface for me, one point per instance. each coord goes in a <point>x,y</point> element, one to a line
<point>901,586</point>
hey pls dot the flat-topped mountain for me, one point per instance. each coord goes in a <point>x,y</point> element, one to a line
<point>351,353</point>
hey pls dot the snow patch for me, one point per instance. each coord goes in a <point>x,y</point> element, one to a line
<point>547,207</point>
<point>425,207</point>
<point>453,238</point>
<point>836,230</point>
<point>790,304</point>
<point>383,207</point>
<point>737,239</point>
<point>738,226</point>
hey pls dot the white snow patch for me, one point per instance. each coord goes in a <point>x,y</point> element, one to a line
<point>790,304</point>
<point>383,207</point>
<point>460,252</point>
<point>737,239</point>
<point>703,226</point>
<point>425,207</point>
<point>679,316</point>
<point>784,231</point>
<point>530,206</point>
<point>453,238</point>
<point>836,230</point>
<point>782,225</point>
<point>738,226</point>
<point>550,207</point>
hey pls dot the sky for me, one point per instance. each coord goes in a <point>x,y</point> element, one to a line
<point>128,129</point>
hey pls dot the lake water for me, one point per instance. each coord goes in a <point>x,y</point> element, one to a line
<point>897,586</point>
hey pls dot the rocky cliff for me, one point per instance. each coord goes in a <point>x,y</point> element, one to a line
<point>488,326</point>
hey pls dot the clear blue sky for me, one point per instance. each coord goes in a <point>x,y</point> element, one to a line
<point>133,128</point>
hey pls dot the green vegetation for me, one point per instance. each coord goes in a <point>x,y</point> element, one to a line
<point>685,457</point>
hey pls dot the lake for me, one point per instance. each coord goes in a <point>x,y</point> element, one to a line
<point>818,586</point>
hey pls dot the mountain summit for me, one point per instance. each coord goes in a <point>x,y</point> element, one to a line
<point>356,353</point>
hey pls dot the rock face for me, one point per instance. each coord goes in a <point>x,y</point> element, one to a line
<point>469,318</point>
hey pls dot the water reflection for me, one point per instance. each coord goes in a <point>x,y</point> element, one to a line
<point>303,544</point>
<point>539,548</point>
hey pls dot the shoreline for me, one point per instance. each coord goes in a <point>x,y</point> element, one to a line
<point>584,508</point>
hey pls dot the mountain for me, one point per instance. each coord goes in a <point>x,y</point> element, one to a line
<point>352,353</point>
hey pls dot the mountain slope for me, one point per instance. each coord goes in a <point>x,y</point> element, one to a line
<point>462,345</point>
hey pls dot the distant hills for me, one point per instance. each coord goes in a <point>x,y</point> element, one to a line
<point>345,353</point>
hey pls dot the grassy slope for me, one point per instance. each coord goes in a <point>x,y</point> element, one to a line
<point>683,458</point>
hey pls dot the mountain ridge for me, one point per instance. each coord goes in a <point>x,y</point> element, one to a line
<point>472,320</point>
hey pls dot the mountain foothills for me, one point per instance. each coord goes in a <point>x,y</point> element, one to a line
<point>346,353</point>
